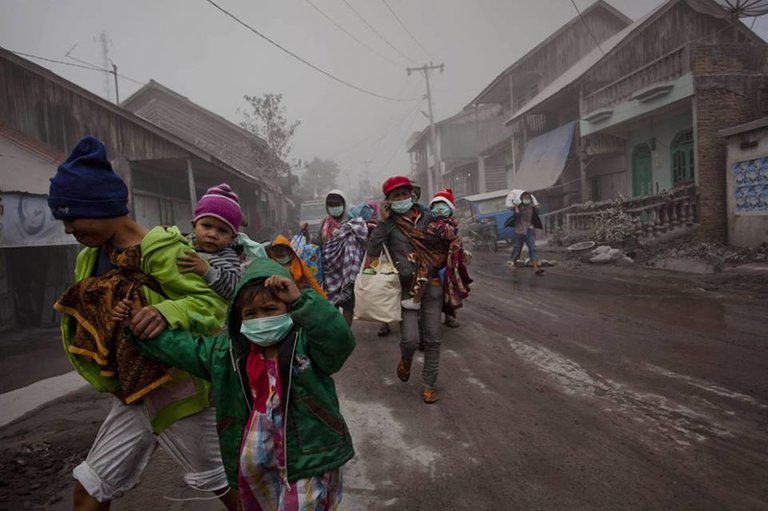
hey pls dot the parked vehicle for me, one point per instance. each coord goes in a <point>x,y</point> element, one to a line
<point>312,212</point>
<point>491,205</point>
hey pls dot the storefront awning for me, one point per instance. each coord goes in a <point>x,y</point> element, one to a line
<point>544,159</point>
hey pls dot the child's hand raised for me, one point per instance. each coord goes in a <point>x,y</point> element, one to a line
<point>191,262</point>
<point>283,288</point>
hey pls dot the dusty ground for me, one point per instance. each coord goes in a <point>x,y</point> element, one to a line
<point>584,389</point>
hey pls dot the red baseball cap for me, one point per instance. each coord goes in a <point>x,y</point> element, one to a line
<point>396,182</point>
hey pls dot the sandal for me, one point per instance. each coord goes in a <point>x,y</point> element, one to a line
<point>429,396</point>
<point>404,369</point>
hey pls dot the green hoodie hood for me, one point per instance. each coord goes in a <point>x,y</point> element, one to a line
<point>260,269</point>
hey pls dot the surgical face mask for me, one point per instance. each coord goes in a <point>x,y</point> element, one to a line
<point>441,209</point>
<point>266,331</point>
<point>527,202</point>
<point>335,211</point>
<point>283,260</point>
<point>402,206</point>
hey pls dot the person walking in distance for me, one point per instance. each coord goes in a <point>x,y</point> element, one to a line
<point>525,220</point>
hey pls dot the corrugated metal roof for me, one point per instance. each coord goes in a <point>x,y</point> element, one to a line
<point>586,63</point>
<point>576,19</point>
<point>26,165</point>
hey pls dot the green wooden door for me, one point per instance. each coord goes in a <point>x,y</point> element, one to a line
<point>682,158</point>
<point>642,175</point>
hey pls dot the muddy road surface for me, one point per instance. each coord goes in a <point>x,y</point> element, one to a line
<point>568,391</point>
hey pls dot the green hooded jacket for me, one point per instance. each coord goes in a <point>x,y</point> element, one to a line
<point>191,305</point>
<point>317,438</point>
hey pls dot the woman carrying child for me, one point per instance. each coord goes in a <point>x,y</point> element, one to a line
<point>402,227</point>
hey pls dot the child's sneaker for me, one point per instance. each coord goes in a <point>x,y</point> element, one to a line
<point>410,304</point>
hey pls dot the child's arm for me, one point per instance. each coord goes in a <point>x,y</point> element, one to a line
<point>221,271</point>
<point>191,304</point>
<point>179,348</point>
<point>224,273</point>
<point>330,339</point>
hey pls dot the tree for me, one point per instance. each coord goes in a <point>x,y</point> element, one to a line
<point>267,120</point>
<point>319,178</point>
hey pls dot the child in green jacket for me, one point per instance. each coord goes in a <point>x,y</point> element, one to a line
<point>282,436</point>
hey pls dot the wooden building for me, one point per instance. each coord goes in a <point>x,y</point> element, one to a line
<point>266,204</point>
<point>501,160</point>
<point>42,116</point>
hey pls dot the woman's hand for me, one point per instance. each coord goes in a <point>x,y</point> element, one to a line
<point>191,262</point>
<point>284,289</point>
<point>385,209</point>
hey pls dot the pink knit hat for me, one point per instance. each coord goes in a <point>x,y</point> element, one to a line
<point>222,203</point>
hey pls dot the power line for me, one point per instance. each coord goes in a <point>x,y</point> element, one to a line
<point>351,35</point>
<point>90,67</point>
<point>387,132</point>
<point>394,14</point>
<point>302,60</point>
<point>405,138</point>
<point>587,26</point>
<point>406,57</point>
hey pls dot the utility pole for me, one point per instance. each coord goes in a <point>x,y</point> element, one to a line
<point>426,68</point>
<point>104,43</point>
<point>117,92</point>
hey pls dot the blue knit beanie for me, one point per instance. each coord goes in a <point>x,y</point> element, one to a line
<point>85,186</point>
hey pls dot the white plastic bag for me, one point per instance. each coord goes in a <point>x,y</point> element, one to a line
<point>378,296</point>
<point>513,199</point>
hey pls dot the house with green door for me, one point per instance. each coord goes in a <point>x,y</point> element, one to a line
<point>659,98</point>
<point>651,100</point>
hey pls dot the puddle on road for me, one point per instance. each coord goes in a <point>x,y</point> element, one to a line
<point>662,415</point>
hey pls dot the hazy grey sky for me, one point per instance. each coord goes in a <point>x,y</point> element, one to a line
<point>191,47</point>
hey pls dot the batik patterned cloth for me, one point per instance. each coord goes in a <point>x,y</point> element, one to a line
<point>262,477</point>
<point>343,254</point>
<point>430,249</point>
<point>100,338</point>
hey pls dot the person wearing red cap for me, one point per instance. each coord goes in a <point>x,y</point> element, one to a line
<point>402,228</point>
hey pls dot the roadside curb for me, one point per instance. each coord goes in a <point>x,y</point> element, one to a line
<point>19,402</point>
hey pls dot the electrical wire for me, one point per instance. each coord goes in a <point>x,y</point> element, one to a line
<point>397,147</point>
<point>406,57</point>
<point>352,36</point>
<point>302,60</point>
<point>587,26</point>
<point>388,131</point>
<point>394,14</point>
<point>90,67</point>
